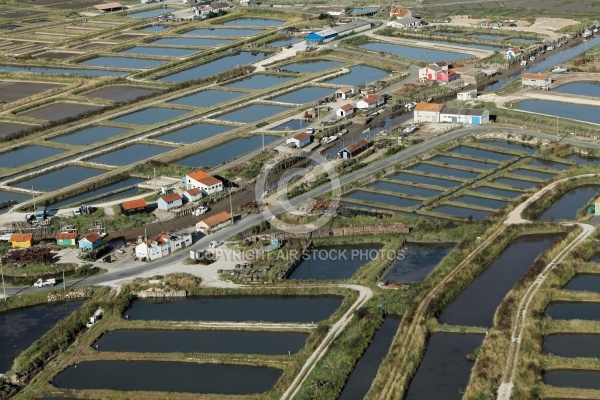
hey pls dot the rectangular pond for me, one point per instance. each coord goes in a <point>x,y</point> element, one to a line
<point>194,133</point>
<point>382,199</point>
<point>538,162</point>
<point>151,13</point>
<point>123,62</point>
<point>215,32</point>
<point>581,160</point>
<point>425,180</point>
<point>218,66</point>
<point>311,66</point>
<point>90,135</point>
<point>584,283</point>
<point>120,92</point>
<point>360,379</point>
<point>481,201</point>
<point>573,310</point>
<point>476,304</point>
<point>130,154</point>
<point>207,98</point>
<point>253,113</point>
<point>484,154</point>
<point>61,71</point>
<point>335,262</point>
<point>225,152</point>
<point>567,205</point>
<point>462,212</point>
<point>8,128</point>
<point>259,81</point>
<point>415,53</point>
<point>403,189</point>
<point>575,378</point>
<point>291,125</point>
<point>463,162</point>
<point>518,183</point>
<point>254,22</point>
<point>572,345</point>
<point>533,174</point>
<point>83,197</point>
<point>237,309</point>
<point>358,75</point>
<point>192,42</point>
<point>580,88</point>
<point>416,262</point>
<point>59,178</point>
<point>178,377</point>
<point>444,171</point>
<point>21,327</point>
<point>196,341</point>
<point>503,144</point>
<point>444,371</point>
<point>26,154</point>
<point>305,95</point>
<point>59,110</point>
<point>160,51</point>
<point>579,112</point>
<point>13,196</point>
<point>150,116</point>
<point>511,194</point>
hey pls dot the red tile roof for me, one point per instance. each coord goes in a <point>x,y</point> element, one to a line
<point>21,237</point>
<point>133,204</point>
<point>194,191</point>
<point>93,237</point>
<point>216,219</point>
<point>170,198</point>
<point>359,145</point>
<point>371,98</point>
<point>399,12</point>
<point>301,136</point>
<point>204,178</point>
<point>347,107</point>
<point>535,77</point>
<point>434,107</point>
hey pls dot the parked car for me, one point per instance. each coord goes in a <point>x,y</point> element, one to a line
<point>199,211</point>
<point>44,282</point>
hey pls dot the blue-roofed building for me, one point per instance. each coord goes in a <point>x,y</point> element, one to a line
<point>322,36</point>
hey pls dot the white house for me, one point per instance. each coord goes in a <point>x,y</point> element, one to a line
<point>247,3</point>
<point>427,112</point>
<point>192,195</point>
<point>405,23</point>
<point>370,101</point>
<point>170,201</point>
<point>299,140</point>
<point>214,223</point>
<point>464,116</point>
<point>346,92</point>
<point>336,11</point>
<point>162,245</point>
<point>400,12</point>
<point>203,181</point>
<point>512,53</point>
<point>345,111</point>
<point>467,95</point>
<point>536,80</point>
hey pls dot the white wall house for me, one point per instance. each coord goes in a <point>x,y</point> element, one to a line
<point>346,92</point>
<point>169,201</point>
<point>299,140</point>
<point>370,101</point>
<point>536,80</point>
<point>214,223</point>
<point>465,116</point>
<point>162,245</point>
<point>405,23</point>
<point>427,112</point>
<point>345,111</point>
<point>203,181</point>
<point>512,53</point>
<point>467,95</point>
<point>192,195</point>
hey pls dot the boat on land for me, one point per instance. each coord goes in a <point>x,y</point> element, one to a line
<point>559,70</point>
<point>410,105</point>
<point>586,34</point>
<point>409,128</point>
<point>329,139</point>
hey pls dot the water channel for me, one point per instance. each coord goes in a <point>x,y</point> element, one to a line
<point>416,262</point>
<point>584,282</point>
<point>566,206</point>
<point>572,345</point>
<point>130,154</point>
<point>580,379</point>
<point>579,112</point>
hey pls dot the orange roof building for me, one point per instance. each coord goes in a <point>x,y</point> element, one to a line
<point>536,80</point>
<point>203,181</point>
<point>213,223</point>
<point>107,7</point>
<point>21,240</point>
<point>133,206</point>
<point>400,12</point>
<point>427,112</point>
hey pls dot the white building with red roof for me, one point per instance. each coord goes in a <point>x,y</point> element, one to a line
<point>203,181</point>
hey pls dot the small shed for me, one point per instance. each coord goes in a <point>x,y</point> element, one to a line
<point>66,239</point>
<point>354,149</point>
<point>133,206</point>
<point>91,241</point>
<point>346,92</point>
<point>467,95</point>
<point>109,7</point>
<point>345,111</point>
<point>22,240</point>
<point>192,195</point>
<point>213,223</point>
<point>299,140</point>
<point>170,201</point>
<point>536,80</point>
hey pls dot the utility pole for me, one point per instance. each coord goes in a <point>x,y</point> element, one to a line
<point>2,273</point>
<point>230,204</point>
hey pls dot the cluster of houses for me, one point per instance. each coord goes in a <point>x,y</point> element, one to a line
<point>89,242</point>
<point>432,112</point>
<point>161,245</point>
<point>203,11</point>
<point>439,71</point>
<point>196,184</point>
<point>404,18</point>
